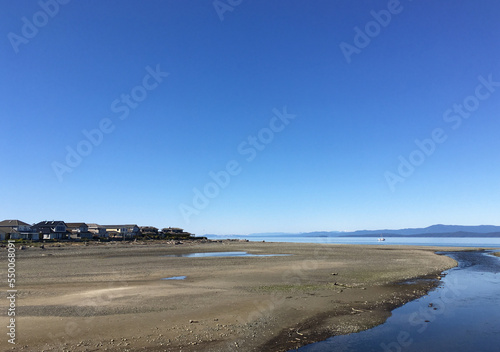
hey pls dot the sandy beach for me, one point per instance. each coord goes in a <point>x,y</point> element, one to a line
<point>111,296</point>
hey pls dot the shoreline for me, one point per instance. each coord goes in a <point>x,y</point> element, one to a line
<point>112,296</point>
<point>352,319</point>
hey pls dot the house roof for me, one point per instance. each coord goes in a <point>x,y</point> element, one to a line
<point>49,224</point>
<point>12,223</point>
<point>117,226</point>
<point>75,224</point>
<point>93,225</point>
<point>6,230</point>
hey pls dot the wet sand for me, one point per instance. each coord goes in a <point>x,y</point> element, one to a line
<point>110,296</point>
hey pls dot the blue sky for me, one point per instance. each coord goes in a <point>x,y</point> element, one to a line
<point>119,112</point>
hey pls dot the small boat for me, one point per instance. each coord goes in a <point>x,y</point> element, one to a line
<point>380,239</point>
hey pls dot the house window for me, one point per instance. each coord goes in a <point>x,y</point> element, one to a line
<point>60,228</point>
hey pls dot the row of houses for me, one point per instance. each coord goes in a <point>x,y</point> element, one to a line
<point>60,230</point>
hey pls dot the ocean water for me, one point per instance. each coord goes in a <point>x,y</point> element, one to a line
<point>489,242</point>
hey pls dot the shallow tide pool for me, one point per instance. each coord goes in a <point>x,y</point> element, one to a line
<point>224,254</point>
<point>175,278</point>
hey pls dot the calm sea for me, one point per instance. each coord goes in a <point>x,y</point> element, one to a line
<point>491,242</point>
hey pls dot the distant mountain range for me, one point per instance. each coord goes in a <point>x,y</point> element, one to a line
<point>431,231</point>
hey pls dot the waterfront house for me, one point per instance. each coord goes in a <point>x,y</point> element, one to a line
<point>78,230</point>
<point>122,231</point>
<point>3,235</point>
<point>173,230</point>
<point>149,230</point>
<point>17,229</point>
<point>97,230</point>
<point>49,230</point>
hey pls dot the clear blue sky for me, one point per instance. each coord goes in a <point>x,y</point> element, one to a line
<point>361,91</point>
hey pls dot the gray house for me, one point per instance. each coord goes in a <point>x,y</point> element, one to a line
<point>97,230</point>
<point>49,230</point>
<point>17,229</point>
<point>78,230</point>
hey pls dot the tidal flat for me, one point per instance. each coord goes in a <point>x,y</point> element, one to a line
<point>111,296</point>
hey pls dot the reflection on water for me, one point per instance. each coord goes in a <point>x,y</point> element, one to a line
<point>224,254</point>
<point>462,314</point>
